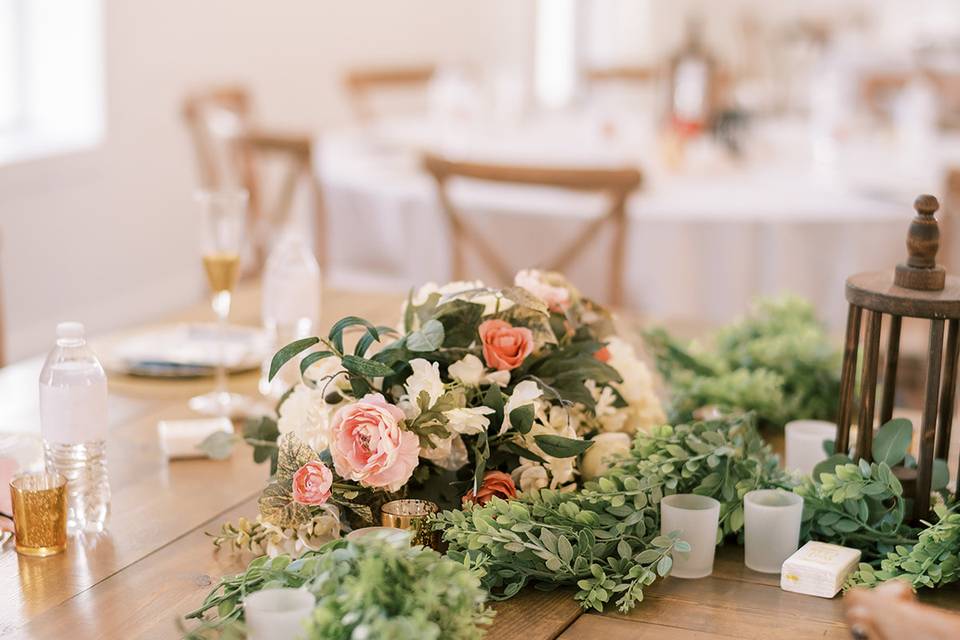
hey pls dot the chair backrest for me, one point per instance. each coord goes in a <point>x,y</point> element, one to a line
<point>618,183</point>
<point>623,74</point>
<point>361,83</point>
<point>294,153</point>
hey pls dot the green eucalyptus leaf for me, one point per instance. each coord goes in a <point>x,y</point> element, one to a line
<point>892,441</point>
<point>428,338</point>
<point>561,447</point>
<point>364,367</point>
<point>291,350</point>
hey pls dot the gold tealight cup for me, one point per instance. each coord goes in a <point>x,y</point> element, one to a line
<point>39,513</point>
<point>413,516</point>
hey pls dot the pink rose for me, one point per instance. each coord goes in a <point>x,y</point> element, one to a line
<point>311,483</point>
<point>368,445</point>
<point>556,297</point>
<point>504,346</point>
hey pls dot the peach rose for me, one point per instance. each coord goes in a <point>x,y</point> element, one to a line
<point>504,346</point>
<point>311,483</point>
<point>602,354</point>
<point>495,483</point>
<point>369,446</point>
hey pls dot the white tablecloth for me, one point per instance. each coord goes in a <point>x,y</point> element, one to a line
<point>702,242</point>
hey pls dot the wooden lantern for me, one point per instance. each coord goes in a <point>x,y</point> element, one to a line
<point>918,288</point>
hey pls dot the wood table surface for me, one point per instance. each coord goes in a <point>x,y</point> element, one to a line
<point>156,561</point>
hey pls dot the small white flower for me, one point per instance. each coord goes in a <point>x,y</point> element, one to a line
<point>470,372</point>
<point>425,377</point>
<point>468,421</point>
<point>523,394</point>
<point>536,282</point>
<point>447,453</point>
<point>643,408</point>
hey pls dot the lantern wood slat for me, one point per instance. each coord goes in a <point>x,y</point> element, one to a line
<point>916,288</point>
<point>948,391</point>
<point>928,422</point>
<point>890,372</point>
<point>848,377</point>
<point>868,385</point>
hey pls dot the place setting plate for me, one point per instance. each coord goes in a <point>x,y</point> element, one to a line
<point>183,351</point>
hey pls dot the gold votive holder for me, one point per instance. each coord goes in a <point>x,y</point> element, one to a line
<point>39,513</point>
<point>413,516</point>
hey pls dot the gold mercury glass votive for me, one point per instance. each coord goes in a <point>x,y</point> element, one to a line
<point>412,515</point>
<point>39,513</point>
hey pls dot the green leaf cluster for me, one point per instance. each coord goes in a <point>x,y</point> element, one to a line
<point>777,361</point>
<point>371,589</point>
<point>933,561</point>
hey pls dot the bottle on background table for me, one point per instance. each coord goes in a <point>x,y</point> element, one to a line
<point>73,422</point>
<point>290,305</point>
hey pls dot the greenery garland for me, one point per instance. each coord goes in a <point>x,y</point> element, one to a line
<point>605,539</point>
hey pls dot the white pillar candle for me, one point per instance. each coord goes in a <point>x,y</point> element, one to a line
<point>771,521</point>
<point>696,518</point>
<point>278,614</point>
<point>805,444</point>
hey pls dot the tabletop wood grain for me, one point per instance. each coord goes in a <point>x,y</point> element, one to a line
<point>156,562</point>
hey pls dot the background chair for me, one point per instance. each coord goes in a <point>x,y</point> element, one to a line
<point>617,183</point>
<point>361,84</point>
<point>294,156</point>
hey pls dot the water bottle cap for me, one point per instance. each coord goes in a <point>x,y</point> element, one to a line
<point>70,331</point>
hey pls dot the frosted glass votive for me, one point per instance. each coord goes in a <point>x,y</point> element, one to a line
<point>804,444</point>
<point>696,518</point>
<point>278,614</point>
<point>771,528</point>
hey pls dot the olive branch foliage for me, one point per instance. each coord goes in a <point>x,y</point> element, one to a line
<point>606,538</point>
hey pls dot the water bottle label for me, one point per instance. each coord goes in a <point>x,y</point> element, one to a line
<point>72,415</point>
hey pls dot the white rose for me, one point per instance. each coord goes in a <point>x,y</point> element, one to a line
<point>523,394</point>
<point>306,414</point>
<point>643,406</point>
<point>425,377</point>
<point>530,476</point>
<point>606,448</point>
<point>470,372</point>
<point>468,421</point>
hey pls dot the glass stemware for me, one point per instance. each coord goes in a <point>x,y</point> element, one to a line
<point>223,219</point>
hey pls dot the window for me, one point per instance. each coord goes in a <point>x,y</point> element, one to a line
<point>51,77</point>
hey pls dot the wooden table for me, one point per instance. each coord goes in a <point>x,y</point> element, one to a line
<point>156,562</point>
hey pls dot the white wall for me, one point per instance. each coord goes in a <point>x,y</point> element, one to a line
<point>108,236</point>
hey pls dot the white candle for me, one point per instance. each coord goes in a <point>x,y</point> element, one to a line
<point>805,444</point>
<point>771,521</point>
<point>696,518</point>
<point>278,614</point>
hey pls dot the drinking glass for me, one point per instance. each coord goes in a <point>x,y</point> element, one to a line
<point>696,518</point>
<point>278,614</point>
<point>223,219</point>
<point>39,513</point>
<point>771,521</point>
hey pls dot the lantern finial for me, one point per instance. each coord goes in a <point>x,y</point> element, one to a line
<point>923,239</point>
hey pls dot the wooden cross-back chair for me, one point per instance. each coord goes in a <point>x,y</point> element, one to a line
<point>623,74</point>
<point>295,153</point>
<point>361,83</point>
<point>617,183</point>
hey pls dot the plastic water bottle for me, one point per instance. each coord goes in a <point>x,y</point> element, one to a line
<point>290,304</point>
<point>73,422</point>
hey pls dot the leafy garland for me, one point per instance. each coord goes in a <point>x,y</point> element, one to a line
<point>370,589</point>
<point>778,361</point>
<point>606,539</point>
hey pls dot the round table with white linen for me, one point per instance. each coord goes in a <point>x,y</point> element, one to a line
<point>704,239</point>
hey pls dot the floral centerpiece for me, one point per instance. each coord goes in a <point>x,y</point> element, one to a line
<point>479,392</point>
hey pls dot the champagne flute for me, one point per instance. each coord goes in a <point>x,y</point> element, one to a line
<point>223,219</point>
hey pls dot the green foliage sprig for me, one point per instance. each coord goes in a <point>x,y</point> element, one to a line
<point>932,562</point>
<point>371,589</point>
<point>778,361</point>
<point>605,539</point>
